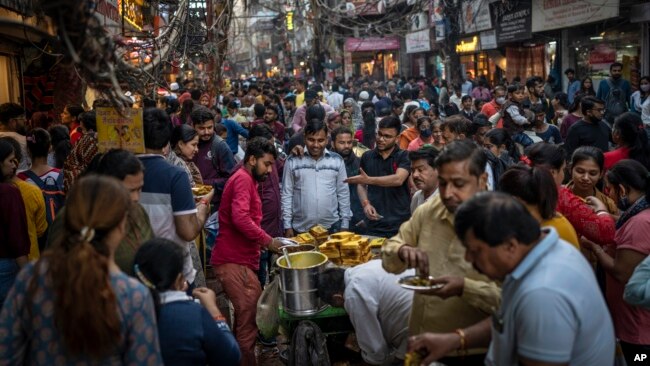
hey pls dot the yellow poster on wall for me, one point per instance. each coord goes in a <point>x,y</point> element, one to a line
<point>115,131</point>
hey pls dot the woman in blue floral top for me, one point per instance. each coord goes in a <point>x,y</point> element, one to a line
<point>74,305</point>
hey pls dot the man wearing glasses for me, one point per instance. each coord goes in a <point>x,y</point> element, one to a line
<point>591,130</point>
<point>12,120</point>
<point>382,182</point>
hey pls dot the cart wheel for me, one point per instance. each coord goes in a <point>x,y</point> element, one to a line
<point>308,346</point>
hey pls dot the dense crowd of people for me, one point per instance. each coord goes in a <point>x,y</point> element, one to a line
<point>526,206</point>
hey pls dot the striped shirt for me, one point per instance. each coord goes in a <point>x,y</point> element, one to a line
<point>314,192</point>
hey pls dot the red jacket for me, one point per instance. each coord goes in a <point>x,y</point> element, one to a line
<point>598,228</point>
<point>490,109</point>
<point>240,235</point>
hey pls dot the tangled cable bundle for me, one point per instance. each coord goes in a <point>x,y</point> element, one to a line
<point>91,50</point>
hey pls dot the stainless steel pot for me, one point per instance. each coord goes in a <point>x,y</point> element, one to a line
<point>299,284</point>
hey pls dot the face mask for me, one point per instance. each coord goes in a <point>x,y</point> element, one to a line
<point>426,133</point>
<point>623,204</point>
<point>501,100</point>
<point>645,88</point>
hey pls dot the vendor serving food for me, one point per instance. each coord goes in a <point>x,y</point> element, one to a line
<point>378,308</point>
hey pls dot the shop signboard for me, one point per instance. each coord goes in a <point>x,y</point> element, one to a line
<point>107,9</point>
<point>371,44</point>
<point>602,56</point>
<point>468,45</point>
<point>419,41</point>
<point>419,21</point>
<point>476,16</point>
<point>131,10</point>
<point>437,19</point>
<point>120,131</point>
<point>489,40</point>
<point>554,14</point>
<point>512,19</point>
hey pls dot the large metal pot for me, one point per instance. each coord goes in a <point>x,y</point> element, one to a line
<point>299,284</point>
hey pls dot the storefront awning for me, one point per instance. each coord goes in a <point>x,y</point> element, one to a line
<point>371,44</point>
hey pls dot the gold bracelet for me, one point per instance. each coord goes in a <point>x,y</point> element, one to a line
<point>462,350</point>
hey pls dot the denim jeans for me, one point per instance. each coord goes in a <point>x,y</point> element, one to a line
<point>8,272</point>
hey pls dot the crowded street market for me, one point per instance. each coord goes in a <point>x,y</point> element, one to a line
<point>293,182</point>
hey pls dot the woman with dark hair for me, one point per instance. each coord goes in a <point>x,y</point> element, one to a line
<point>574,115</point>
<point>425,127</point>
<point>186,112</point>
<point>83,152</point>
<point>587,169</point>
<point>630,136</point>
<point>537,190</point>
<point>411,132</point>
<point>596,225</point>
<point>628,183</point>
<point>184,146</point>
<point>560,105</point>
<point>500,144</point>
<point>189,333</point>
<point>128,169</point>
<point>640,101</point>
<point>173,108</point>
<point>346,121</point>
<point>34,203</point>
<point>587,87</point>
<point>70,117</point>
<point>61,146</point>
<point>74,305</point>
<point>500,150</point>
<point>38,146</point>
<point>14,232</point>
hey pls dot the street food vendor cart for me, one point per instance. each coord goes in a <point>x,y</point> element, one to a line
<point>317,331</point>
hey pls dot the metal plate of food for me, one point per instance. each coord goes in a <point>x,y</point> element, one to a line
<point>418,283</point>
<point>288,242</point>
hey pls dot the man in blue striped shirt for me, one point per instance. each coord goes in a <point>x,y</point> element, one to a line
<point>314,190</point>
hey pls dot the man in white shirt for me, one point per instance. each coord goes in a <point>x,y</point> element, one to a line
<point>378,308</point>
<point>424,174</point>
<point>335,99</point>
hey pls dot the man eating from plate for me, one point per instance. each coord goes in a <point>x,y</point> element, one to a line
<point>428,243</point>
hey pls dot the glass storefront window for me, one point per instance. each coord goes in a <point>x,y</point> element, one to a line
<point>596,48</point>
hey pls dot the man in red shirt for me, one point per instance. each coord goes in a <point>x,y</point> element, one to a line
<point>236,253</point>
<point>494,106</point>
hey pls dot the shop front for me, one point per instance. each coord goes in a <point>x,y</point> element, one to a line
<point>476,61</point>
<point>477,45</point>
<point>592,49</point>
<point>593,36</point>
<point>418,47</point>
<point>373,57</point>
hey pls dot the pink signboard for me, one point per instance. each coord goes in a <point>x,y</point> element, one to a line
<point>371,44</point>
<point>602,56</point>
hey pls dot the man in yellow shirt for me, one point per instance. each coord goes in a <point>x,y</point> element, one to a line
<point>301,86</point>
<point>428,243</point>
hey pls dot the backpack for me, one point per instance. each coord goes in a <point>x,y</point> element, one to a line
<point>615,102</point>
<point>52,192</point>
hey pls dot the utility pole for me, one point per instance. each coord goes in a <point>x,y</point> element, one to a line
<point>219,18</point>
<point>316,67</point>
<point>452,18</point>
